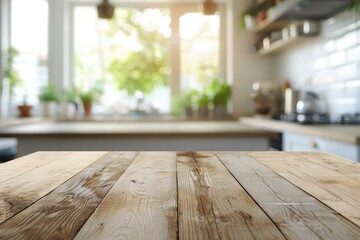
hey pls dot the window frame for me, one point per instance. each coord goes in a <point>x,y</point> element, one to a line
<point>177,10</point>
<point>61,39</point>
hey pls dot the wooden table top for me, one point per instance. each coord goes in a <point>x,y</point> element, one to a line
<point>179,195</point>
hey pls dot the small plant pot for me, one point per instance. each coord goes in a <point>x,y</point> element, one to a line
<point>189,112</point>
<point>49,109</point>
<point>203,112</point>
<point>68,110</point>
<point>220,111</point>
<point>87,109</point>
<point>250,22</point>
<point>24,110</point>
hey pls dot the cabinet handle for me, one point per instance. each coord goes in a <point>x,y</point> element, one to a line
<point>313,144</point>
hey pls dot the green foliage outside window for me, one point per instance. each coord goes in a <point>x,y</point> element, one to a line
<point>8,57</point>
<point>147,68</point>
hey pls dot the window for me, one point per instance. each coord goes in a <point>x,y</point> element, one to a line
<point>199,49</point>
<point>126,57</point>
<point>129,57</point>
<point>29,36</point>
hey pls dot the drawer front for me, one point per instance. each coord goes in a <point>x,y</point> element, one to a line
<point>299,142</point>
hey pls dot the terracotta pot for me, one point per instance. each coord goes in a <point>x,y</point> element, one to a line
<point>24,110</point>
<point>87,109</point>
<point>261,16</point>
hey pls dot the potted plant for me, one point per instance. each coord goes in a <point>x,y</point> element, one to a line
<point>188,100</point>
<point>87,99</point>
<point>248,18</point>
<point>203,101</point>
<point>48,97</point>
<point>24,109</point>
<point>11,77</point>
<point>220,95</point>
<point>69,105</point>
<point>9,56</point>
<point>355,6</point>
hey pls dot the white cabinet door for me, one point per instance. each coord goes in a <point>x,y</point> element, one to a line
<point>299,142</point>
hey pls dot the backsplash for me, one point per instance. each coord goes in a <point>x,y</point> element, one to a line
<point>328,64</point>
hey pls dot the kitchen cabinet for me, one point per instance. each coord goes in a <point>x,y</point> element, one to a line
<point>271,20</point>
<point>337,139</point>
<point>300,142</point>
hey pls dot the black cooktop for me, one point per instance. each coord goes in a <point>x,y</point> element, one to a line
<point>320,118</point>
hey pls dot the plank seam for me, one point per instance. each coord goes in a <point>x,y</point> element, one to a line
<point>48,192</point>
<point>211,203</point>
<point>177,201</point>
<point>306,192</point>
<point>250,194</point>
<point>137,154</point>
<point>46,163</point>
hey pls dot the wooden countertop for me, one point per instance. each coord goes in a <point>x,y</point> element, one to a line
<point>183,195</point>
<point>144,129</point>
<point>11,122</point>
<point>344,133</point>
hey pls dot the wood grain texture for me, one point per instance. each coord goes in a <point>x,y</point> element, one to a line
<point>212,204</point>
<point>297,214</point>
<point>61,214</point>
<point>347,168</point>
<point>42,172</point>
<point>141,205</point>
<point>27,163</point>
<point>336,190</point>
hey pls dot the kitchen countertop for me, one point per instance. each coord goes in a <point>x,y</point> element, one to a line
<point>126,129</point>
<point>344,133</point>
<point>11,122</point>
<point>179,195</point>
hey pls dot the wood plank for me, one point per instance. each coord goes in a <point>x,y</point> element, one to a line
<point>348,168</point>
<point>27,163</point>
<point>61,214</point>
<point>212,204</point>
<point>141,205</point>
<point>339,192</point>
<point>21,191</point>
<point>297,214</point>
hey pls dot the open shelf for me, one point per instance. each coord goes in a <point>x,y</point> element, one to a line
<point>299,10</point>
<point>277,46</point>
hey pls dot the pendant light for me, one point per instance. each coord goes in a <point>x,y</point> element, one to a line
<point>208,7</point>
<point>105,10</point>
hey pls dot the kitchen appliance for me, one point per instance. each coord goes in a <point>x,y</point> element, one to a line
<point>321,118</point>
<point>310,103</point>
<point>291,99</point>
<point>349,118</point>
<point>306,118</point>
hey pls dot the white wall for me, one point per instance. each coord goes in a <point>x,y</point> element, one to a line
<point>328,64</point>
<point>243,68</point>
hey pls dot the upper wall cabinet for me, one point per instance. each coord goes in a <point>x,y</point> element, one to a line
<point>274,19</point>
